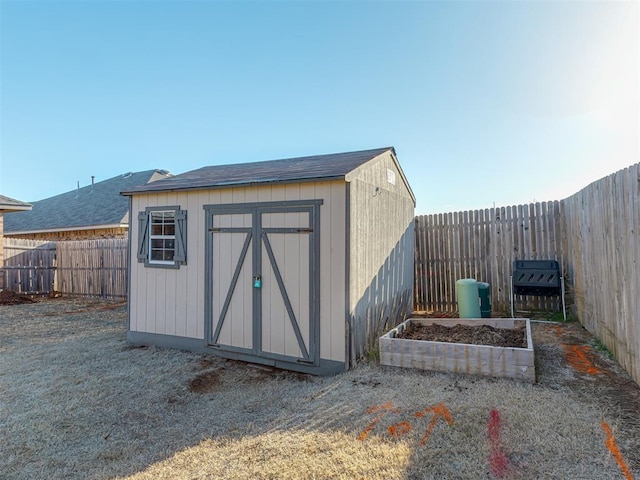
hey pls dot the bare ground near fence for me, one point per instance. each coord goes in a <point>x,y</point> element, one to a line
<point>79,402</point>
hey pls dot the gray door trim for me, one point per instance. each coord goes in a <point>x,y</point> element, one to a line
<point>257,292</point>
<point>210,211</point>
<point>232,285</point>
<point>310,353</point>
<point>285,297</point>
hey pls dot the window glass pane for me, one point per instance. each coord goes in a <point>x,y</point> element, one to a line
<point>162,236</point>
<point>156,255</point>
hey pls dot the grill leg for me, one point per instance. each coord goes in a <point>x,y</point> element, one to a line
<point>511,294</point>
<point>564,310</point>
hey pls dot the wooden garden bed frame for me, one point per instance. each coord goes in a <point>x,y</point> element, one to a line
<point>485,360</point>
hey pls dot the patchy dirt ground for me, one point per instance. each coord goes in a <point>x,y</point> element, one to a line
<point>9,297</point>
<point>596,375</point>
<point>78,402</point>
<point>474,335</point>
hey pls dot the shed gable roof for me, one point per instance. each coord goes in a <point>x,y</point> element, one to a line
<point>93,205</point>
<point>318,167</point>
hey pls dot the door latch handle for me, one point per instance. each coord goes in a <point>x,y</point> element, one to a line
<point>257,281</point>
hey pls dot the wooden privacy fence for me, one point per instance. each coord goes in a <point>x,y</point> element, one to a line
<point>594,234</point>
<point>603,251</point>
<point>94,268</point>
<point>29,265</point>
<point>483,244</point>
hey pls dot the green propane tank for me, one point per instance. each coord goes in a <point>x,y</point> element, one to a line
<point>468,301</point>
<point>485,299</point>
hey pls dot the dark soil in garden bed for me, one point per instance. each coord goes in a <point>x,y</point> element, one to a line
<point>9,297</point>
<point>474,335</point>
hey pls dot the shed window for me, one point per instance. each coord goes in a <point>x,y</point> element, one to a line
<point>162,236</point>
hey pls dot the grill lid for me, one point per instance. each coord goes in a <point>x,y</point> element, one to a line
<point>536,277</point>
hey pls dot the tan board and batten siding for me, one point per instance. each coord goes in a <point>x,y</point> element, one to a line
<point>357,282</point>
<point>172,301</point>
<point>381,215</point>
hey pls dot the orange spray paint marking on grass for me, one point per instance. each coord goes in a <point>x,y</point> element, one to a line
<point>383,409</point>
<point>438,410</point>
<point>497,458</point>
<point>612,446</point>
<point>399,429</point>
<point>581,358</point>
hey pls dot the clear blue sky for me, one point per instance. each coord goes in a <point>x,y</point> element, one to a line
<point>485,102</point>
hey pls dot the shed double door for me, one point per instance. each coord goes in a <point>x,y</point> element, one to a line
<point>263,281</point>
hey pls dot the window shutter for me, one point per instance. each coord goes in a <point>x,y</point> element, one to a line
<point>143,235</point>
<point>180,255</point>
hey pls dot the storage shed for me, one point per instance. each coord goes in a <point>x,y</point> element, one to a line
<point>298,263</point>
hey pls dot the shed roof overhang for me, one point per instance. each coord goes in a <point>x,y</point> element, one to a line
<point>234,184</point>
<point>317,168</point>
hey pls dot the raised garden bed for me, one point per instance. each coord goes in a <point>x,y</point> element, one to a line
<point>445,356</point>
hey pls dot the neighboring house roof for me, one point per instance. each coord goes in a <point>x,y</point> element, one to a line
<point>319,167</point>
<point>99,205</point>
<point>12,205</point>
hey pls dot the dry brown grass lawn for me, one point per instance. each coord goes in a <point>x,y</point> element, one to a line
<point>76,401</point>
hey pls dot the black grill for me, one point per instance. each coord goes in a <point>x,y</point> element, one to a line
<point>537,278</point>
<point>541,278</point>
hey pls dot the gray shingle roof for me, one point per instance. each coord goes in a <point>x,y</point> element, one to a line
<point>9,204</point>
<point>93,205</point>
<point>318,167</point>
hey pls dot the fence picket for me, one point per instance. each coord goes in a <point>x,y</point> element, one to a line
<point>483,244</point>
<point>593,235</point>
<point>94,268</point>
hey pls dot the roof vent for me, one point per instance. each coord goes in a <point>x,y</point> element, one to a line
<point>127,175</point>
